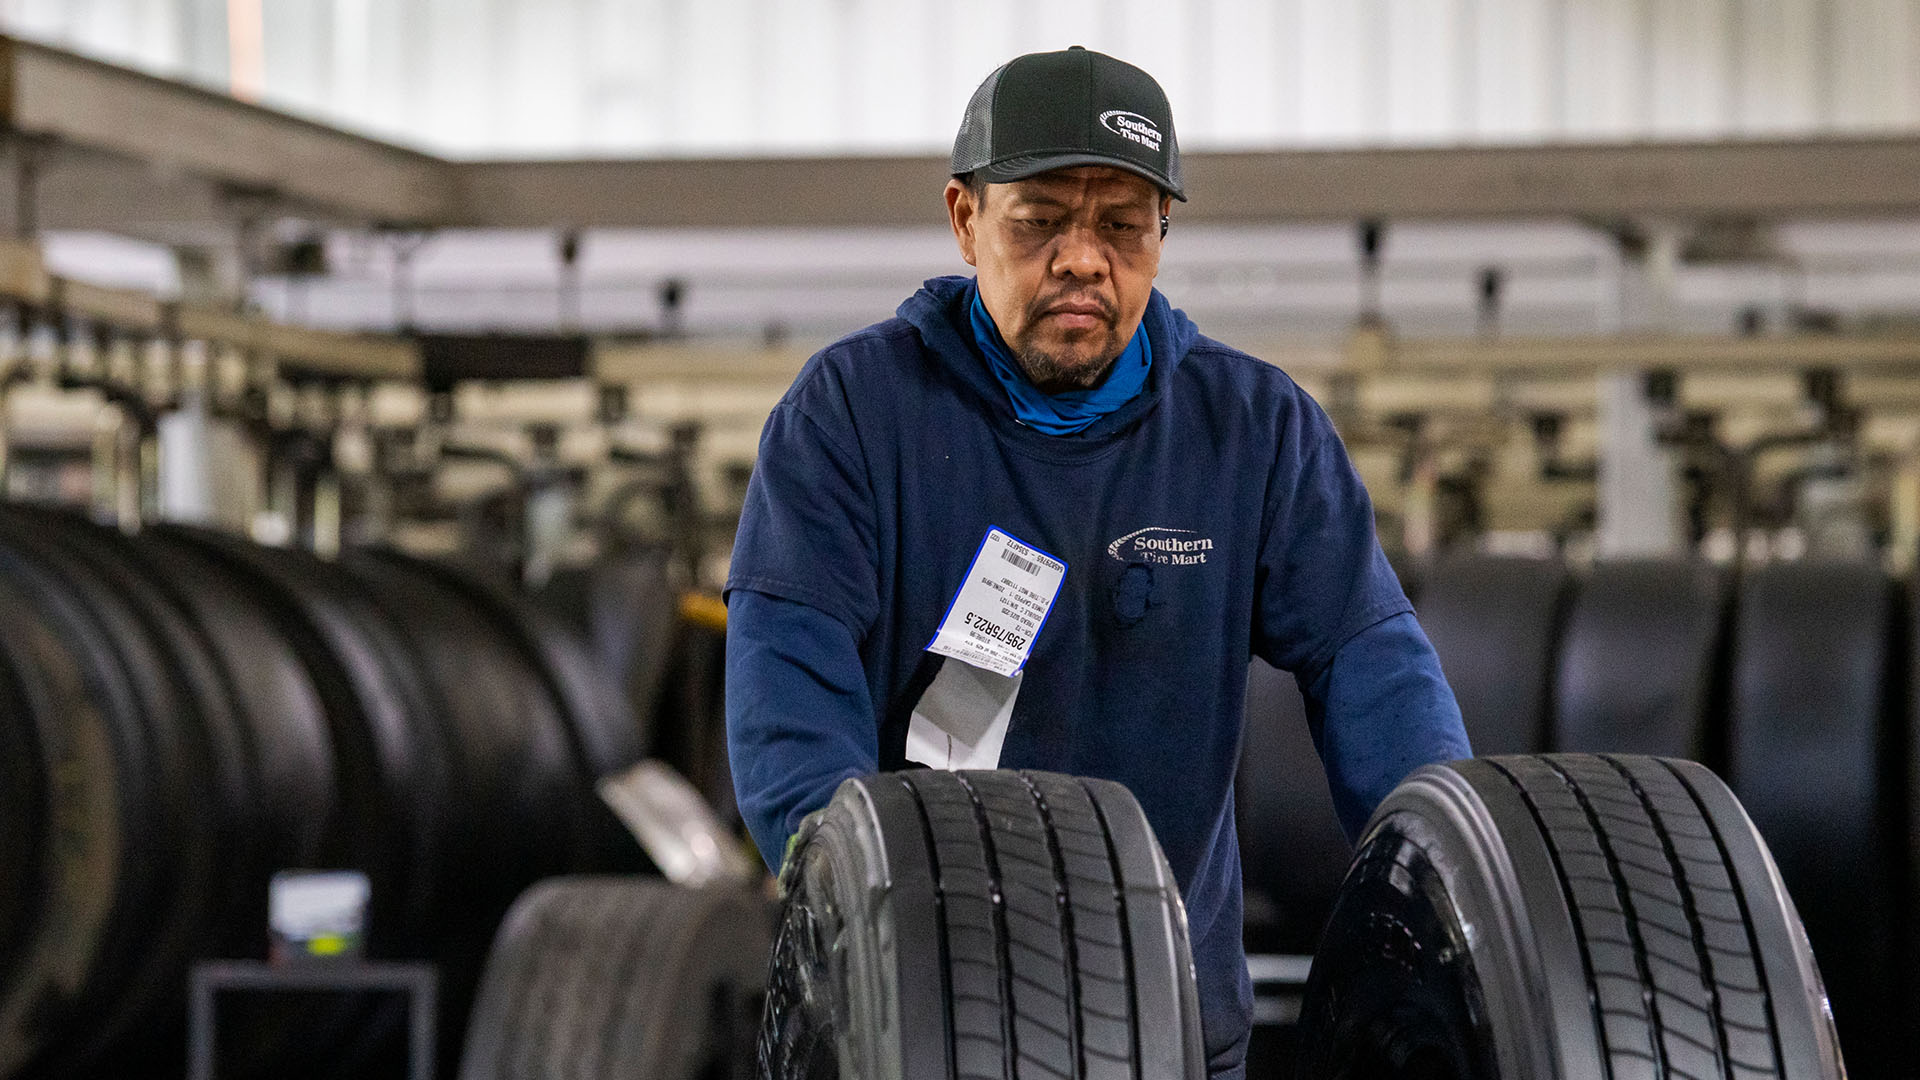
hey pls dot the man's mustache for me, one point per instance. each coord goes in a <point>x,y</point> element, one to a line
<point>1039,308</point>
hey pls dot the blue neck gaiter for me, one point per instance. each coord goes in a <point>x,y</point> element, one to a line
<point>1069,412</point>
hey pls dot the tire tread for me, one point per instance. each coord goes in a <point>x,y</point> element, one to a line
<point>1663,931</point>
<point>1033,918</point>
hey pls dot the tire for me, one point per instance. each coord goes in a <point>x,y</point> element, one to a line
<point>1292,849</point>
<point>606,737</point>
<point>515,778</point>
<point>1808,715</point>
<point>284,717</point>
<point>1565,915</point>
<point>168,899</point>
<point>517,797</point>
<point>389,767</point>
<point>1495,622</point>
<point>22,795</point>
<point>1639,661</point>
<point>693,694</point>
<point>980,924</point>
<point>610,978</point>
<point>86,824</point>
<point>228,784</point>
<point>391,775</point>
<point>625,605</point>
<point>601,728</point>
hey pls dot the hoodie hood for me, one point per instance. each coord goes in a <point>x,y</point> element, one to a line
<point>939,312</point>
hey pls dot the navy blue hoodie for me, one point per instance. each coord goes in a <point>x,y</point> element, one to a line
<point>881,471</point>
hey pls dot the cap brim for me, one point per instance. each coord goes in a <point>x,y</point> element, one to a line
<point>1020,168</point>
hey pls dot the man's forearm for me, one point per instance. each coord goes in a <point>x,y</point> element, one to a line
<point>1380,709</point>
<point>799,715</point>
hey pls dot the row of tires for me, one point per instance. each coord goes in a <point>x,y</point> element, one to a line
<point>182,714</point>
<point>1793,683</point>
<point>1565,915</point>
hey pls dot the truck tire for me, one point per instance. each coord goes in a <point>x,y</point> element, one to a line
<point>1809,713</point>
<point>980,924</point>
<point>1565,915</point>
<point>609,978</point>
<point>1293,852</point>
<point>1494,621</point>
<point>1638,659</point>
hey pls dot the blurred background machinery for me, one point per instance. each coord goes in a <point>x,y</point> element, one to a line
<point>349,349</point>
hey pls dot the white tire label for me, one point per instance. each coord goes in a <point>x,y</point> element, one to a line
<point>1001,605</point>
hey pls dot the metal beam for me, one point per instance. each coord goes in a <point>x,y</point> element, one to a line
<point>1680,352</point>
<point>81,102</point>
<point>1801,178</point>
<point>705,192</point>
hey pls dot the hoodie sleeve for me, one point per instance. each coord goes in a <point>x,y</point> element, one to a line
<point>1329,608</point>
<point>802,594</point>
<point>799,716</point>
<point>1380,710</point>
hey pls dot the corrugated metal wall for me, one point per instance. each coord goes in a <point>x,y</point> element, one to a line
<point>562,77</point>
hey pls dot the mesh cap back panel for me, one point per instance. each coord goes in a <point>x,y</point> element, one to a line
<point>972,147</point>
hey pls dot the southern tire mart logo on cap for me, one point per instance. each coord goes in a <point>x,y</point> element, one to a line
<point>1131,125</point>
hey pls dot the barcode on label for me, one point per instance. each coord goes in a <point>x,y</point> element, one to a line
<point>1028,565</point>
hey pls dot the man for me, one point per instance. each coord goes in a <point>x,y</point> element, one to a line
<point>1161,507</point>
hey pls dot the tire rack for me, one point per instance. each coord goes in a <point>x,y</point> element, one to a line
<point>1418,414</point>
<point>292,390</point>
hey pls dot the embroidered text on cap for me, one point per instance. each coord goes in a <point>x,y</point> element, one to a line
<point>1132,125</point>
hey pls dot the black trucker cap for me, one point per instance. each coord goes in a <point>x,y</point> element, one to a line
<point>1053,110</point>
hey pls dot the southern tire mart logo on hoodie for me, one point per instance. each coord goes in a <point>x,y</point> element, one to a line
<point>1159,546</point>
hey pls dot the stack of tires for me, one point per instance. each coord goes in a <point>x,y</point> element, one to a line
<point>1793,682</point>
<point>182,714</point>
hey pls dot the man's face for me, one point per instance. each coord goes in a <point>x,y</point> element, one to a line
<point>1066,262</point>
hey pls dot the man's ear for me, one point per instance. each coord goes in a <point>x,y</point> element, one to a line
<point>961,214</point>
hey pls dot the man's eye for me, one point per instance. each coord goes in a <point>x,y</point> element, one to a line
<point>1036,223</point>
<point>1123,226</point>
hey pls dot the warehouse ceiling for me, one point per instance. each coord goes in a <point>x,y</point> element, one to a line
<point>93,146</point>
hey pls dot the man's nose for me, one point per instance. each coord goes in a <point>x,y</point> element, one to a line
<point>1079,254</point>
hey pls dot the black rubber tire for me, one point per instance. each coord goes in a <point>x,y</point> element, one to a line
<point>606,737</point>
<point>515,789</point>
<point>1293,852</point>
<point>85,818</point>
<point>625,606</point>
<point>601,727</point>
<point>284,717</point>
<point>1809,714</point>
<point>131,1004</point>
<point>391,772</point>
<point>514,771</point>
<point>23,792</point>
<point>1566,915</point>
<point>1495,622</point>
<point>227,785</point>
<point>980,924</point>
<point>389,762</point>
<point>1639,662</point>
<point>693,695</point>
<point>610,978</point>
<point>299,814</point>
